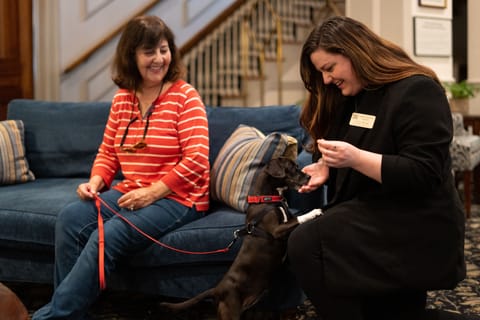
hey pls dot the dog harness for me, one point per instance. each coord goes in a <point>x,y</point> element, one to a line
<point>252,228</point>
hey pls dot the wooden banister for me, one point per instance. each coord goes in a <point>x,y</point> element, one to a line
<point>232,49</point>
<point>185,48</point>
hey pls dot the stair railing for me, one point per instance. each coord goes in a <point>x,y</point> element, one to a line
<point>236,51</point>
<point>251,43</point>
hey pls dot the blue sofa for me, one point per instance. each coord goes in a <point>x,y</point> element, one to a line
<point>61,140</point>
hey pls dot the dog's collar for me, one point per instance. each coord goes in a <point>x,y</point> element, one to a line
<point>264,199</point>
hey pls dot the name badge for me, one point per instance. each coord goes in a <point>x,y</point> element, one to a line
<point>362,120</point>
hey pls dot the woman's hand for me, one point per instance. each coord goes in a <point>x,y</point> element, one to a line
<point>88,190</point>
<point>136,199</point>
<point>143,197</point>
<point>338,154</point>
<point>318,173</point>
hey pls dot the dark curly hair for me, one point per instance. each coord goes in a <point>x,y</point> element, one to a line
<point>143,32</point>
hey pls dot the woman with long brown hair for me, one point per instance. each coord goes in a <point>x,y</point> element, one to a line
<point>393,227</point>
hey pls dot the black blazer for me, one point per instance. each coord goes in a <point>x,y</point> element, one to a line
<point>408,231</point>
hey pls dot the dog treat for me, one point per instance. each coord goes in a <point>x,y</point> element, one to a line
<point>309,215</point>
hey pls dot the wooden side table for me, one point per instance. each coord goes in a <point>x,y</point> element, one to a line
<point>471,179</point>
<point>472,121</point>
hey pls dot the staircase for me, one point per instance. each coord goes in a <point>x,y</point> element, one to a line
<point>248,55</point>
<point>251,58</point>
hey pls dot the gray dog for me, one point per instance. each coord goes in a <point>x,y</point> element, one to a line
<point>268,223</point>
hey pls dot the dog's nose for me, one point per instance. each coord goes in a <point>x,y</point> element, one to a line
<point>305,178</point>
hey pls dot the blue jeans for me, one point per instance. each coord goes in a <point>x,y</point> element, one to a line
<point>76,248</point>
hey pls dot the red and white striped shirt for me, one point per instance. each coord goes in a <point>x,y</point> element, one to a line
<point>177,145</point>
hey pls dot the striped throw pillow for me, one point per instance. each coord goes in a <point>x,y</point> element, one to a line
<point>13,164</point>
<point>240,160</point>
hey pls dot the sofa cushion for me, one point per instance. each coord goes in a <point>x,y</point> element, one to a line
<point>222,121</point>
<point>28,211</point>
<point>13,164</point>
<point>240,160</point>
<point>61,138</point>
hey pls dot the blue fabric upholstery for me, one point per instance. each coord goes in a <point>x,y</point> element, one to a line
<point>61,140</point>
<point>223,121</point>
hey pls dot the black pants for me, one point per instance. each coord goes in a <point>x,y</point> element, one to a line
<point>306,261</point>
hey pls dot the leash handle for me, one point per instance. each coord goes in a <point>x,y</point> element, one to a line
<point>101,246</point>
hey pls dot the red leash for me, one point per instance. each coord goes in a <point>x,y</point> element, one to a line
<point>101,247</point>
<point>101,241</point>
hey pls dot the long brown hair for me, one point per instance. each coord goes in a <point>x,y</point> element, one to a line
<point>143,32</point>
<point>375,60</point>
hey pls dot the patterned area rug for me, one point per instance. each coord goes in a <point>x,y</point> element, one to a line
<point>465,299</point>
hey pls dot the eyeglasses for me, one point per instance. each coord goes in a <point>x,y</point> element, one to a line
<point>140,144</point>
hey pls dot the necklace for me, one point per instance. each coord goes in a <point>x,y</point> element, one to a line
<point>141,144</point>
<point>144,110</point>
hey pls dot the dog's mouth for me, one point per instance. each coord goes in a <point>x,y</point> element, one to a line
<point>296,184</point>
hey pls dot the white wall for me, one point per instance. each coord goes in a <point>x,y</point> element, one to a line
<point>394,20</point>
<point>473,52</point>
<point>443,66</point>
<point>83,23</point>
<point>66,30</point>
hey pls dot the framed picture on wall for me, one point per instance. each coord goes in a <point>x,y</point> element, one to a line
<point>432,37</point>
<point>433,3</point>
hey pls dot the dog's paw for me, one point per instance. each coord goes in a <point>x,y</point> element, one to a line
<point>309,215</point>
